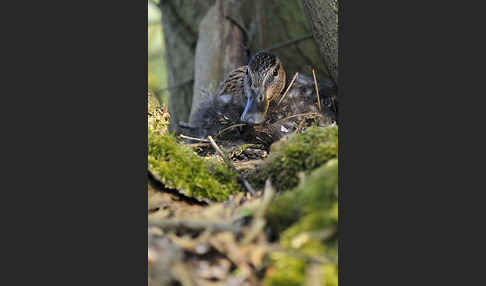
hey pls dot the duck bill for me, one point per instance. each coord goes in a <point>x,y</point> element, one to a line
<point>247,107</point>
<point>253,113</point>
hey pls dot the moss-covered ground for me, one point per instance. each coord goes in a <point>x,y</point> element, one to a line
<point>300,153</point>
<point>302,219</point>
<point>179,168</point>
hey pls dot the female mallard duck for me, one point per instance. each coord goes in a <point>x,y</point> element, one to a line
<point>244,96</point>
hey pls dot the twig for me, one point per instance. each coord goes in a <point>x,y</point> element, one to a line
<point>333,105</point>
<point>247,164</point>
<point>267,199</point>
<point>300,126</point>
<point>288,88</point>
<point>288,43</point>
<point>258,222</point>
<point>317,91</point>
<point>195,224</point>
<point>230,165</point>
<point>248,186</point>
<point>296,115</point>
<point>220,152</point>
<point>228,128</point>
<point>195,139</point>
<point>197,145</point>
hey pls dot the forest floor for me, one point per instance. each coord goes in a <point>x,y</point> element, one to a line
<point>250,214</point>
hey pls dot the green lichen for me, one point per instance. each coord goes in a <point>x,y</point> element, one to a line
<point>240,149</point>
<point>307,219</point>
<point>301,152</point>
<point>157,115</point>
<point>177,167</point>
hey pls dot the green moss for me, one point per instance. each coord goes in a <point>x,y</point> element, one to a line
<point>301,152</point>
<point>179,168</point>
<point>330,274</point>
<point>287,271</point>
<point>307,219</point>
<point>313,202</point>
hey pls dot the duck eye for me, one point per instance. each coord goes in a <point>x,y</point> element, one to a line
<point>275,72</point>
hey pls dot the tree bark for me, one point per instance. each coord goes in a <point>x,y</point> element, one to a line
<point>219,50</point>
<point>323,15</point>
<point>272,23</point>
<point>180,21</point>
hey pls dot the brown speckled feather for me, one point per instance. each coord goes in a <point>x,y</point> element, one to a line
<point>233,83</point>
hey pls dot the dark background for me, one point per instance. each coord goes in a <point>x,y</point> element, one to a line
<point>75,147</point>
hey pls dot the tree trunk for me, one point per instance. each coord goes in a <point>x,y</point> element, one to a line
<point>180,21</point>
<point>323,15</point>
<point>219,50</point>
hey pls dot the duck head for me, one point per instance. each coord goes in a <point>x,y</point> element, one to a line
<point>264,81</point>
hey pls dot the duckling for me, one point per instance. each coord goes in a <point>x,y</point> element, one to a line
<point>302,98</point>
<point>243,96</point>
